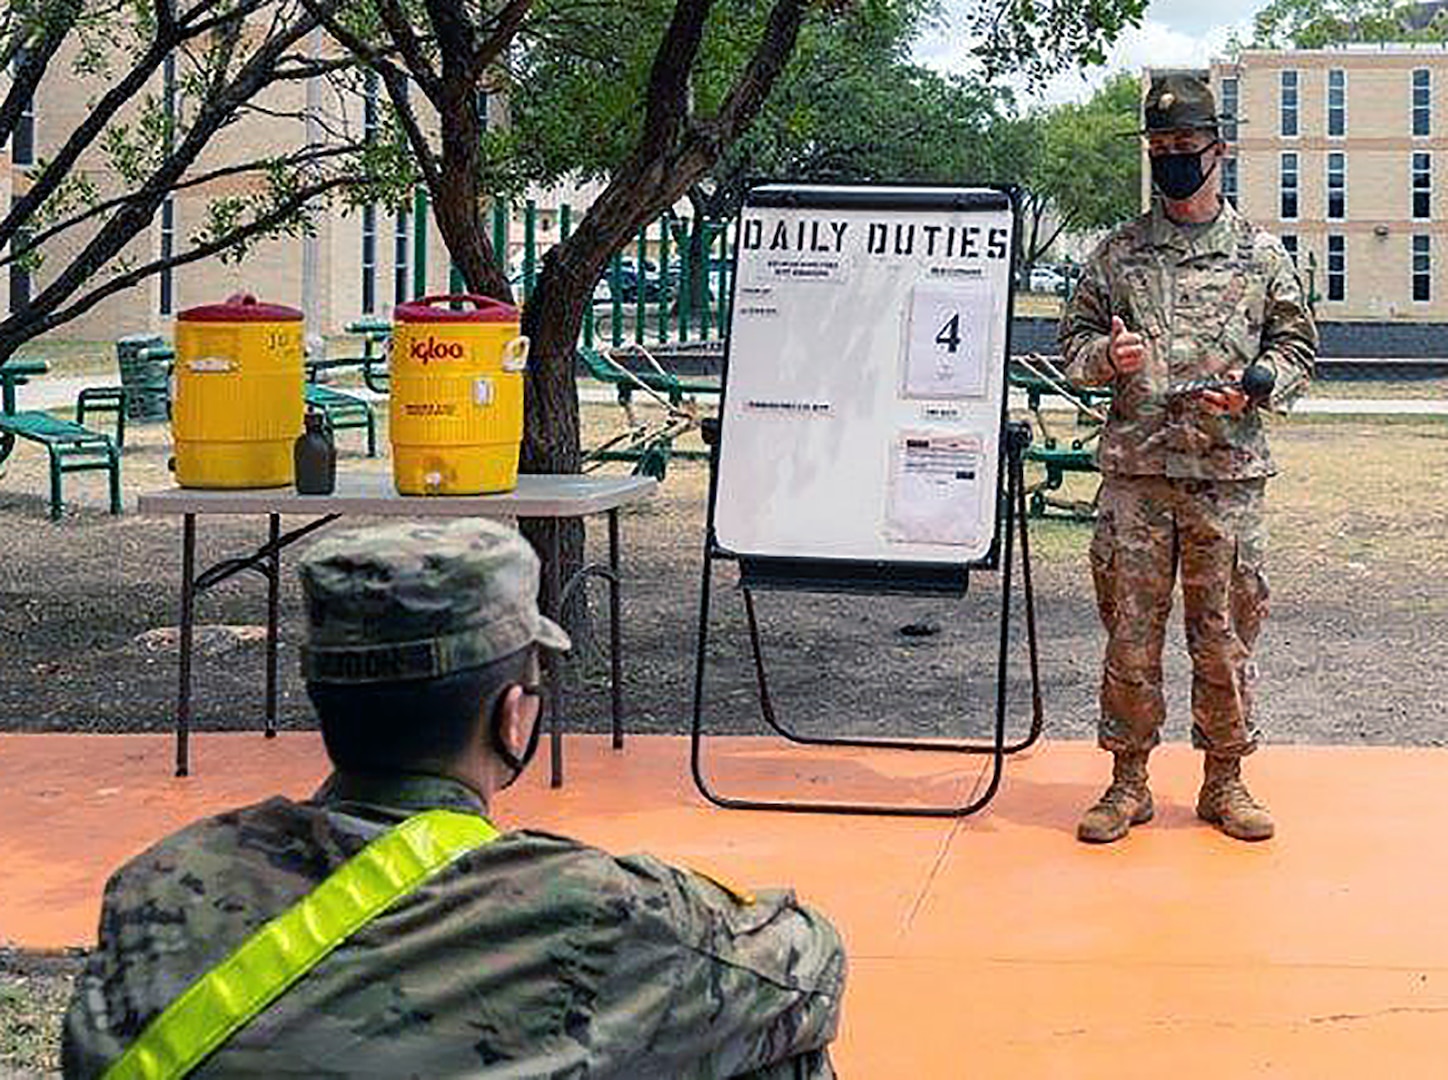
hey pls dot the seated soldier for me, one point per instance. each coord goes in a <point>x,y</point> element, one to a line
<point>517,955</point>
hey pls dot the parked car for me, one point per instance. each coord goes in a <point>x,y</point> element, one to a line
<point>1046,279</point>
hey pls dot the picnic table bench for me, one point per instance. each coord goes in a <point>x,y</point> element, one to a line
<point>1055,453</point>
<point>343,410</point>
<point>374,333</point>
<point>632,369</point>
<point>70,447</point>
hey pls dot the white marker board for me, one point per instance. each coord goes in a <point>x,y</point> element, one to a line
<point>865,377</point>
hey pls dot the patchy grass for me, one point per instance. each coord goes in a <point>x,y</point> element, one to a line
<point>33,995</point>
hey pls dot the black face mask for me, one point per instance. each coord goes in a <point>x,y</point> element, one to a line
<point>1180,176</point>
<point>500,747</point>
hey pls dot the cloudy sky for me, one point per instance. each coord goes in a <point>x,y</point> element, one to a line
<point>1173,33</point>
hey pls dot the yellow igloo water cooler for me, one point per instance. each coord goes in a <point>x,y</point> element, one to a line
<point>239,394</point>
<point>457,396</point>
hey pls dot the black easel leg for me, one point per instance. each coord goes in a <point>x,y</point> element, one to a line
<point>188,605</point>
<point>615,634</point>
<point>273,598</point>
<point>554,701</point>
<point>1038,713</point>
<point>701,652</point>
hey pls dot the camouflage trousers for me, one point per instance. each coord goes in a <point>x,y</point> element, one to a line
<point>811,1065</point>
<point>1147,528</point>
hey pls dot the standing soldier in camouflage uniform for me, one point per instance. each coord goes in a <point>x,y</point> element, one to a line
<point>1188,291</point>
<point>529,956</point>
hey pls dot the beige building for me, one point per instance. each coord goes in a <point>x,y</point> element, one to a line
<point>1343,153</point>
<point>359,262</point>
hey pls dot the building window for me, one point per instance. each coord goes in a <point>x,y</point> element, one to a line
<point>1288,185</point>
<point>1337,102</point>
<point>1336,267</point>
<point>1422,185</point>
<point>1337,185</point>
<point>1289,245</point>
<point>22,137</point>
<point>1289,103</point>
<point>1229,109</point>
<point>400,245</point>
<point>1229,180</point>
<point>1421,265</point>
<point>168,248</point>
<point>1421,101</point>
<point>369,259</point>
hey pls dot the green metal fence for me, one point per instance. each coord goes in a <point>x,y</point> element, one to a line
<point>669,286</point>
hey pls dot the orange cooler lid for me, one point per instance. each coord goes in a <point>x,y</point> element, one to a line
<point>240,307</point>
<point>485,309</point>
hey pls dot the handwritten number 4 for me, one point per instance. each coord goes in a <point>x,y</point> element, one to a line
<point>949,335</point>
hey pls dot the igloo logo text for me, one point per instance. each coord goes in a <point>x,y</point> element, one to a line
<point>432,349</point>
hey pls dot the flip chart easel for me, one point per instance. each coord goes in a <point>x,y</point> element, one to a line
<point>862,444</point>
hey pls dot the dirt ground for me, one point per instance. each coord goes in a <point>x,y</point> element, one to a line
<point>1358,565</point>
<point>1357,568</point>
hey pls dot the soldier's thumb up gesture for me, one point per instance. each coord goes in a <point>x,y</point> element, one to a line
<point>1127,350</point>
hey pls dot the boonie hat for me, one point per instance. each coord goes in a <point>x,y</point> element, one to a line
<point>414,600</point>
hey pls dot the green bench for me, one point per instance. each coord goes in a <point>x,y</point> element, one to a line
<point>648,445</point>
<point>344,411</point>
<point>375,333</point>
<point>71,447</point>
<point>111,399</point>
<point>1058,455</point>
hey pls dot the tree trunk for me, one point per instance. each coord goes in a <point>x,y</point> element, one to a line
<point>552,321</point>
<point>458,200</point>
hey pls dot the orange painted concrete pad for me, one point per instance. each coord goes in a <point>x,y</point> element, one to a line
<point>991,946</point>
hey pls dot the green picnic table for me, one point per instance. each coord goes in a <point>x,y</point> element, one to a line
<point>70,447</point>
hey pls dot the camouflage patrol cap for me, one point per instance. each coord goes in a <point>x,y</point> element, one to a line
<point>413,600</point>
<point>1180,101</point>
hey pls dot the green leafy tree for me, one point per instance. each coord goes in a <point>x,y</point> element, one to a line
<point>169,78</point>
<point>649,93</point>
<point>1313,24</point>
<point>1084,169</point>
<point>848,107</point>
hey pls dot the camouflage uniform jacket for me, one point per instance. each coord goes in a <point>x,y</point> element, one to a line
<point>1206,302</point>
<point>533,956</point>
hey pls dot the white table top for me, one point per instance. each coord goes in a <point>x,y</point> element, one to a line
<point>372,493</point>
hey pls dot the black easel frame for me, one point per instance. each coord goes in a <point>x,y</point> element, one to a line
<point>807,575</point>
<point>1018,438</point>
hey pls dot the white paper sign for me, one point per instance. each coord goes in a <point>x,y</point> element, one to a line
<point>945,346</point>
<point>933,489</point>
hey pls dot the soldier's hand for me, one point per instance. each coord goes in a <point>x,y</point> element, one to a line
<point>1127,349</point>
<point>1230,401</point>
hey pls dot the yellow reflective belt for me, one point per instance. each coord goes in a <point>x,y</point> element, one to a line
<point>261,969</point>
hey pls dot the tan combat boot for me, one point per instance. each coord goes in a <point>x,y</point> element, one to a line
<point>1227,804</point>
<point>1126,802</point>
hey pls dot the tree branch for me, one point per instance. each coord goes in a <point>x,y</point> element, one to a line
<point>61,19</point>
<point>219,107</point>
<point>409,46</point>
<point>85,133</point>
<point>747,95</point>
<point>34,325</point>
<point>501,33</point>
<point>666,105</point>
<point>454,34</point>
<point>309,156</point>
